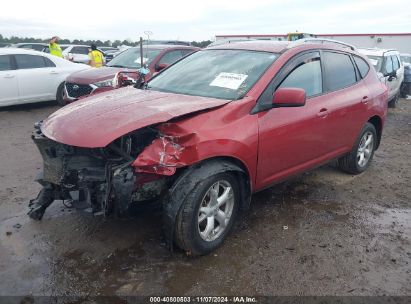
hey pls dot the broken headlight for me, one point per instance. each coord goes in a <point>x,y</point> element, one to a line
<point>104,83</point>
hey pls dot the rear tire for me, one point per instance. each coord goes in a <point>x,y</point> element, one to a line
<point>203,221</point>
<point>60,95</point>
<point>360,157</point>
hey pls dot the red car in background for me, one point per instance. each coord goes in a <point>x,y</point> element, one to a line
<point>155,58</point>
<point>210,130</point>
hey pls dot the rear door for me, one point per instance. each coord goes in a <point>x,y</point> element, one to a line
<point>36,77</point>
<point>9,93</point>
<point>348,98</point>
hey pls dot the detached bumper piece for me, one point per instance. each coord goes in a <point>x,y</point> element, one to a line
<point>98,181</point>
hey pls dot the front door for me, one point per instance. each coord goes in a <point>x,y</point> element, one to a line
<point>293,139</point>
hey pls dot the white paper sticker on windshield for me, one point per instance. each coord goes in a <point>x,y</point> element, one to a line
<point>373,61</point>
<point>138,60</point>
<point>228,80</point>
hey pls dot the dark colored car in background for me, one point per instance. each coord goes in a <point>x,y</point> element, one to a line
<point>156,58</point>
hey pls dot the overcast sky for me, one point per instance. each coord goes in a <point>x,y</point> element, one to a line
<point>197,19</point>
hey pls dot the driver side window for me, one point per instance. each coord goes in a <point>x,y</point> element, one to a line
<point>395,62</point>
<point>388,65</point>
<point>305,76</point>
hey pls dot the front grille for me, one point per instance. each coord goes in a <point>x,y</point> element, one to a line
<point>78,90</point>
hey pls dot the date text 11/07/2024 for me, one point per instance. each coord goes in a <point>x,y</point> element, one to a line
<point>238,299</point>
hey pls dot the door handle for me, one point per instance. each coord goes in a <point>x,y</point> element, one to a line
<point>365,99</point>
<point>8,76</point>
<point>323,113</point>
<point>54,72</point>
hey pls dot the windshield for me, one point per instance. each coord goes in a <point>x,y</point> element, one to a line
<point>225,74</point>
<point>376,61</point>
<point>131,58</point>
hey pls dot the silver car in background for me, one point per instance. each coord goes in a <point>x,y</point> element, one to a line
<point>390,70</point>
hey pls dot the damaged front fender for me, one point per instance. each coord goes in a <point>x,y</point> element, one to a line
<point>168,152</point>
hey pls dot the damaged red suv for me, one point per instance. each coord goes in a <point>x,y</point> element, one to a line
<point>206,133</point>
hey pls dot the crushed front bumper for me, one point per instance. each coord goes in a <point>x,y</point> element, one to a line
<point>94,180</point>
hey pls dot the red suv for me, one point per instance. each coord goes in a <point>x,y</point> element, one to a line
<point>93,81</point>
<point>210,130</point>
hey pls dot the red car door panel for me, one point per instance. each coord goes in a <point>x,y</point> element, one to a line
<point>290,140</point>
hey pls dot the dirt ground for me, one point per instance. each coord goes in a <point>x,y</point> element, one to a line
<point>322,233</point>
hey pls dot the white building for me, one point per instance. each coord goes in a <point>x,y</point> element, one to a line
<point>398,41</point>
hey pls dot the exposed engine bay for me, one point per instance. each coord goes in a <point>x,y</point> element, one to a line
<point>100,181</point>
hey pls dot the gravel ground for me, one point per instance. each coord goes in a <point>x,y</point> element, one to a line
<point>322,233</point>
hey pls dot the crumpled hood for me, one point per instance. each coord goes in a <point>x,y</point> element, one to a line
<point>93,75</point>
<point>98,120</point>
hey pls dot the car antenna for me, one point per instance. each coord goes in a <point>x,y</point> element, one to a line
<point>142,71</point>
<point>141,52</point>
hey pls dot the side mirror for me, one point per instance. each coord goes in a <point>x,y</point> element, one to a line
<point>391,75</point>
<point>289,97</point>
<point>161,66</point>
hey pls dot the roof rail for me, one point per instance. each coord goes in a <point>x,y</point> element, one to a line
<point>319,40</point>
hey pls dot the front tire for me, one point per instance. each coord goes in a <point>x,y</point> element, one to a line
<point>60,95</point>
<point>208,214</point>
<point>360,157</point>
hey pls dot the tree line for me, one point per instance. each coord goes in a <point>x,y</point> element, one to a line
<point>115,43</point>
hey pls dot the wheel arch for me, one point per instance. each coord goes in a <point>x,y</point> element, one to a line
<point>376,121</point>
<point>194,174</point>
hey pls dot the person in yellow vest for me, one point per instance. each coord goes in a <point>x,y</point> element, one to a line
<point>96,58</point>
<point>55,48</point>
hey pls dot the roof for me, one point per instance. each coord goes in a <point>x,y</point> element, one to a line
<point>255,45</point>
<point>12,50</point>
<point>375,51</point>
<point>318,35</point>
<point>36,43</point>
<point>165,46</point>
<point>280,46</point>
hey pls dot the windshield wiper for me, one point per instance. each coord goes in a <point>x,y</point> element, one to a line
<point>116,66</point>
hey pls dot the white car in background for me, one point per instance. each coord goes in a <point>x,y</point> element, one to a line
<point>28,76</point>
<point>390,70</point>
<point>77,53</point>
<point>73,52</point>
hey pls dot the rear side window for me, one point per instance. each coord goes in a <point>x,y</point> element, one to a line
<point>171,57</point>
<point>339,71</point>
<point>186,52</point>
<point>388,67</point>
<point>395,62</point>
<point>362,66</point>
<point>30,61</point>
<point>305,76</point>
<point>80,50</point>
<point>37,47</point>
<point>49,63</point>
<point>5,63</point>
